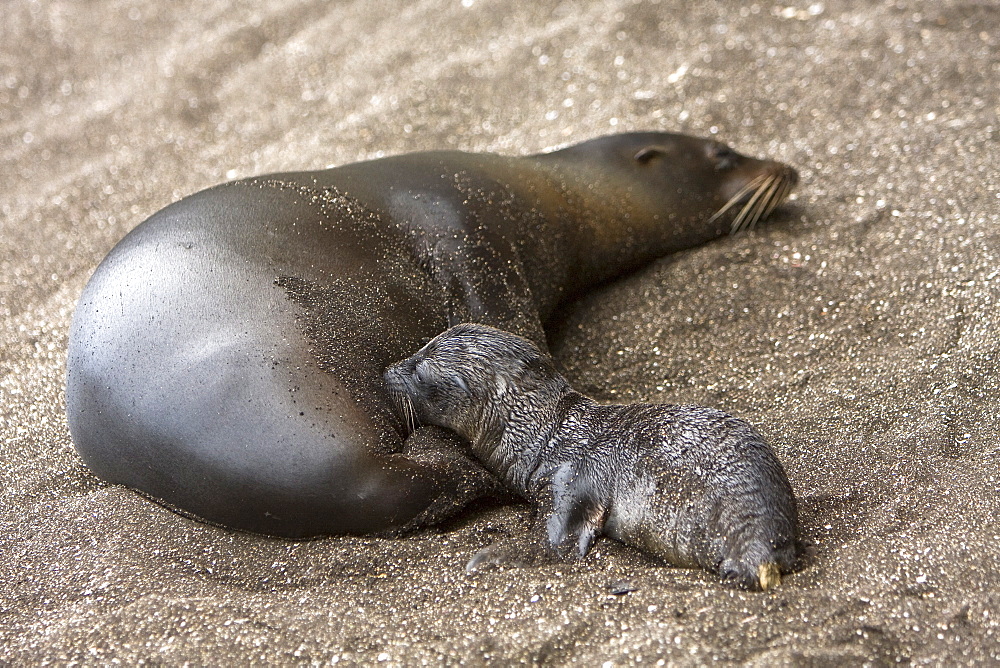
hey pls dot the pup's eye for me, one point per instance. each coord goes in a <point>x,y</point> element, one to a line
<point>460,383</point>
<point>423,371</point>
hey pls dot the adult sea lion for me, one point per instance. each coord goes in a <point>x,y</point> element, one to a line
<point>226,357</point>
<point>689,484</point>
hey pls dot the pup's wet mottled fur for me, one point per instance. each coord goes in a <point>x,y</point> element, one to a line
<point>691,485</point>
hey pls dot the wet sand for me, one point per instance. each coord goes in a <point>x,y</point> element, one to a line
<point>858,330</point>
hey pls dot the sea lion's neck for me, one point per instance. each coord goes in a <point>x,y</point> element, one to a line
<point>606,222</point>
<point>523,444</point>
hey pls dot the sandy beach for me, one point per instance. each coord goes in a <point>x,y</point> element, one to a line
<point>858,330</point>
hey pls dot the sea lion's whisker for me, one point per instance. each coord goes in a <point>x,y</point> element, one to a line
<point>786,189</point>
<point>772,199</point>
<point>780,193</point>
<point>789,186</point>
<point>734,200</point>
<point>404,405</point>
<point>749,215</point>
<point>769,191</point>
<point>750,186</point>
<point>411,415</point>
<point>778,189</point>
<point>767,203</point>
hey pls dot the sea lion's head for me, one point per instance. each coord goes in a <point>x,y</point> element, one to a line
<point>701,177</point>
<point>464,378</point>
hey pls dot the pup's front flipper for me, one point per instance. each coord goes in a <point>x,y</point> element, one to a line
<point>578,514</point>
<point>570,518</point>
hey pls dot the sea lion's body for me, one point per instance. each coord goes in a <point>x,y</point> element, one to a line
<point>226,356</point>
<point>689,484</point>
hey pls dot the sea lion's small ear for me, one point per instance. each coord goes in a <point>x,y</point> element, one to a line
<point>647,153</point>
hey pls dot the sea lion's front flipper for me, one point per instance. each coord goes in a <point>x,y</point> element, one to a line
<point>463,480</point>
<point>511,552</point>
<point>570,517</point>
<point>577,516</point>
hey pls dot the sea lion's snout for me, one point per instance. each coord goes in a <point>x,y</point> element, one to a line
<point>395,378</point>
<point>757,189</point>
<point>398,387</point>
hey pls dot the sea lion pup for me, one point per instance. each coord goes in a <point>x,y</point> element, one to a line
<point>691,485</point>
<point>226,356</point>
